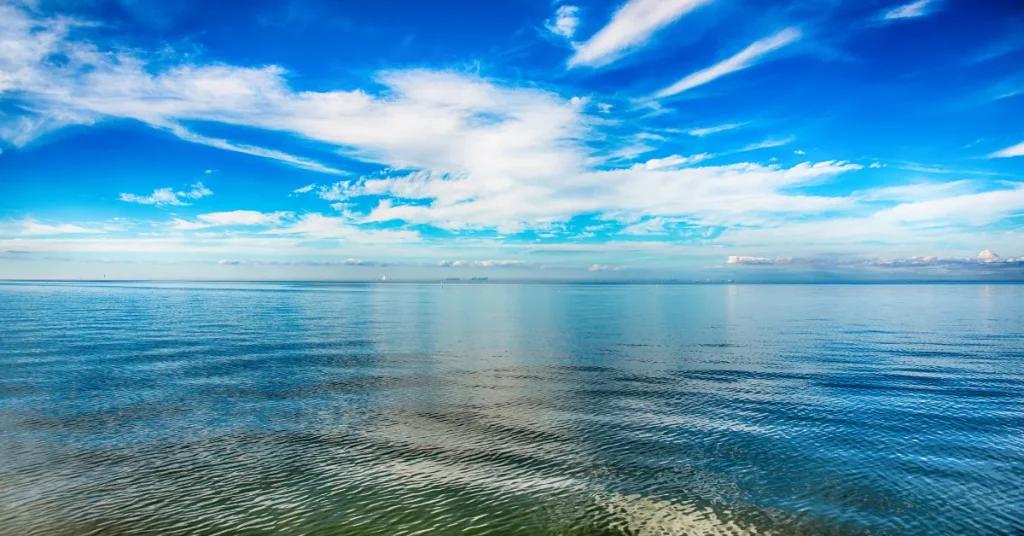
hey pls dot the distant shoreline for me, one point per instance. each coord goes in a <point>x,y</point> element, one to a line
<point>526,282</point>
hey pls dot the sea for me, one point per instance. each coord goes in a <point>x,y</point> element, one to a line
<point>490,408</point>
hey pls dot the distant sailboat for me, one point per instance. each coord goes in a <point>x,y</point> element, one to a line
<point>383,278</point>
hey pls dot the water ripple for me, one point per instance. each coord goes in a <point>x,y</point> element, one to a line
<point>194,408</point>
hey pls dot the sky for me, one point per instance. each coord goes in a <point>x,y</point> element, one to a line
<point>745,140</point>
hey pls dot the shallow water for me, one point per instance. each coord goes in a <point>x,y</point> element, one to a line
<point>206,408</point>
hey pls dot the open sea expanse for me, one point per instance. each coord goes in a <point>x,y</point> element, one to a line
<point>332,408</point>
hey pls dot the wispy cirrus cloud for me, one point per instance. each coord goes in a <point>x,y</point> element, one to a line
<point>242,218</point>
<point>464,152</point>
<point>998,49</point>
<point>318,226</point>
<point>913,10</point>
<point>967,209</point>
<point>745,58</point>
<point>167,196</point>
<point>954,219</point>
<point>1009,152</point>
<point>458,151</point>
<point>631,26</point>
<point>920,191</point>
<point>707,131</point>
<point>766,144</point>
<point>253,150</point>
<point>422,119</point>
<point>710,194</point>
<point>31,227</point>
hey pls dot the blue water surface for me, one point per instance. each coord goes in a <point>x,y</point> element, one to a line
<point>330,408</point>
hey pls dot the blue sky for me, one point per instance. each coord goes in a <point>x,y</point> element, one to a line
<point>748,140</point>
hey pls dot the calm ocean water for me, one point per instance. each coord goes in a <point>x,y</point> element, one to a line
<point>202,408</point>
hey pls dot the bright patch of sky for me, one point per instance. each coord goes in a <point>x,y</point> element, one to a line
<point>636,139</point>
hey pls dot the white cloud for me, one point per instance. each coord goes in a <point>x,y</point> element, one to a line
<point>318,226</point>
<point>928,169</point>
<point>908,11</point>
<point>970,209</point>
<point>648,226</point>
<point>260,262</point>
<point>232,218</point>
<point>918,191</point>
<point>631,151</point>
<point>743,259</point>
<point>1009,93</point>
<point>198,191</point>
<point>631,26</point>
<point>334,192</point>
<point>701,132</point>
<point>356,241</point>
<point>185,225</point>
<point>606,268</point>
<point>30,227</point>
<point>950,220</point>
<point>766,144</point>
<point>484,264</point>
<point>984,260</point>
<point>161,196</point>
<point>565,21</point>
<point>799,152</point>
<point>713,195</point>
<point>243,217</point>
<point>745,58</point>
<point>253,150</point>
<point>988,255</point>
<point>876,165</point>
<point>672,161</point>
<point>451,122</point>
<point>462,151</point>
<point>167,196</point>
<point>1016,150</point>
<point>305,189</point>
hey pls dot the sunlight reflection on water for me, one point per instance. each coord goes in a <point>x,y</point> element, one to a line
<point>385,409</point>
